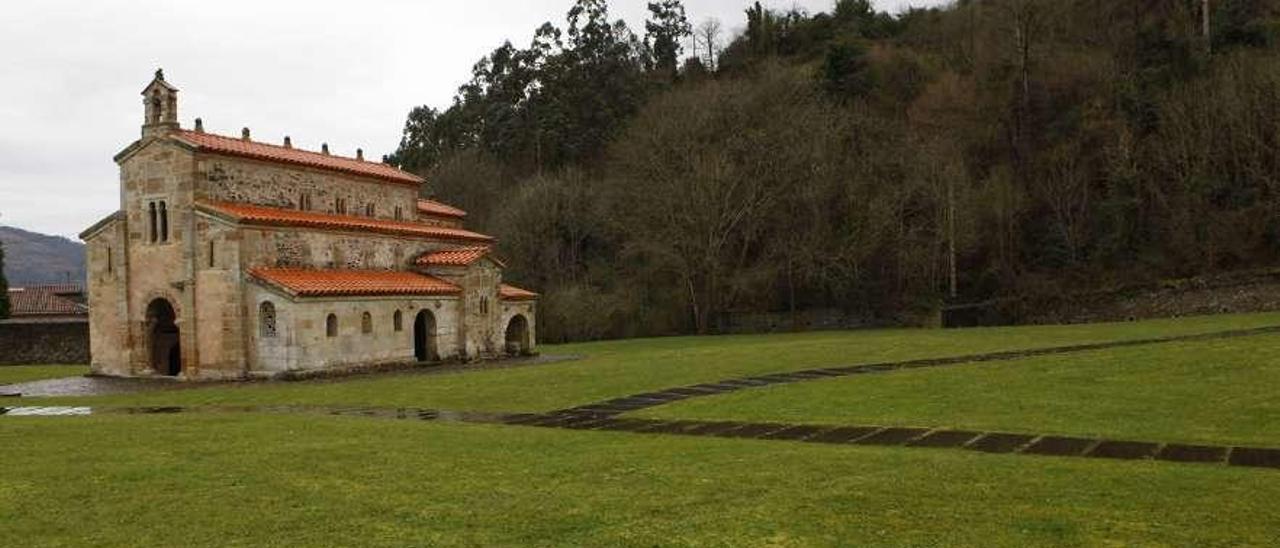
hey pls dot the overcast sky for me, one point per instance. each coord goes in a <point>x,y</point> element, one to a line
<point>345,73</point>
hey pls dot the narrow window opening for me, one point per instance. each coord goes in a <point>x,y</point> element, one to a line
<point>366,323</point>
<point>110,266</point>
<point>397,321</point>
<point>164,222</point>
<point>152,228</point>
<point>211,256</point>
<point>399,213</point>
<point>267,320</point>
<point>369,209</point>
<point>331,326</point>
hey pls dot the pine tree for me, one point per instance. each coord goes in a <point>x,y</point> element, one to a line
<point>4,288</point>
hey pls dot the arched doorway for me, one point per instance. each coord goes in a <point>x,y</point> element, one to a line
<point>424,337</point>
<point>166,350</point>
<point>518,336</point>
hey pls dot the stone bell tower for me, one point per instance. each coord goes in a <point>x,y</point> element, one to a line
<point>161,106</point>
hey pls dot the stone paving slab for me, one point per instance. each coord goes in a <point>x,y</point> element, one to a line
<point>1176,452</point>
<point>794,433</point>
<point>1059,446</point>
<point>752,430</point>
<point>1001,443</point>
<point>1125,450</point>
<point>628,425</point>
<point>844,434</point>
<point>1250,456</point>
<point>945,438</point>
<point>893,436</point>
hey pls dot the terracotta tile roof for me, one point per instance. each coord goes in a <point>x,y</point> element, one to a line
<point>219,144</point>
<point>274,216</point>
<point>438,209</point>
<point>463,256</point>
<point>347,283</point>
<point>44,301</point>
<point>513,293</point>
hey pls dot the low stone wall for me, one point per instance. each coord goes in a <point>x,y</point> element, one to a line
<point>1257,291</point>
<point>41,343</point>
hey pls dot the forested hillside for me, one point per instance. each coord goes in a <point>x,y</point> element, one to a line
<point>40,259</point>
<point>879,165</point>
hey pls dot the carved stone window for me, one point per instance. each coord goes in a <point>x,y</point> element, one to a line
<point>267,320</point>
<point>153,226</point>
<point>164,222</point>
<point>398,321</point>
<point>331,326</point>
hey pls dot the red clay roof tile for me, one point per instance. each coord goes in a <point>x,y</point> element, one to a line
<point>438,209</point>
<point>219,144</point>
<point>274,216</point>
<point>463,256</point>
<point>349,283</point>
<point>513,293</point>
<point>44,301</point>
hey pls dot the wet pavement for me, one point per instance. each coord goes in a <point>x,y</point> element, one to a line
<point>106,386</point>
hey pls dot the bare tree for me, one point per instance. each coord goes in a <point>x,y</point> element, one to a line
<point>1204,25</point>
<point>706,40</point>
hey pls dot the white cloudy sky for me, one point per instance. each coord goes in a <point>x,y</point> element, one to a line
<point>345,73</point>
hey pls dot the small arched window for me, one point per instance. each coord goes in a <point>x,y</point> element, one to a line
<point>397,321</point>
<point>164,222</point>
<point>153,226</point>
<point>366,323</point>
<point>331,326</point>
<point>370,210</point>
<point>267,320</point>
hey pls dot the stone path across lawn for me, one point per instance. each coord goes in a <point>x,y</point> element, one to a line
<point>635,402</point>
<point>605,416</point>
<point>863,435</point>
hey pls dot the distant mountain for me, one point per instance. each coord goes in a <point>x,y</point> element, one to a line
<point>35,259</point>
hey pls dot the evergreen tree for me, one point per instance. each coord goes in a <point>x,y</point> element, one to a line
<point>4,288</point>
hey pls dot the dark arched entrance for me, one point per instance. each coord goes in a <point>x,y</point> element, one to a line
<point>166,350</point>
<point>424,337</point>
<point>518,336</point>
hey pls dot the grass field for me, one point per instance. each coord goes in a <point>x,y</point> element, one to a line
<point>1220,391</point>
<point>27,373</point>
<point>288,480</point>
<point>312,480</point>
<point>620,368</point>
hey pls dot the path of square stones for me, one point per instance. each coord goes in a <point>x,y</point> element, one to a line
<point>605,416</point>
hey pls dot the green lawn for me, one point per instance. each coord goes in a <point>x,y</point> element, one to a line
<point>619,368</point>
<point>315,480</point>
<point>27,373</point>
<point>218,480</point>
<point>1219,391</point>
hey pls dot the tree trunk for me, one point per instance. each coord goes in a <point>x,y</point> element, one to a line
<point>1204,26</point>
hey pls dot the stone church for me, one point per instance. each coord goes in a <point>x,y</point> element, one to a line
<point>231,258</point>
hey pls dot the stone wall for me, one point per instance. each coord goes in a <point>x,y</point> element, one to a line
<point>44,343</point>
<point>1241,292</point>
<point>287,247</point>
<point>300,341</point>
<point>251,182</point>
